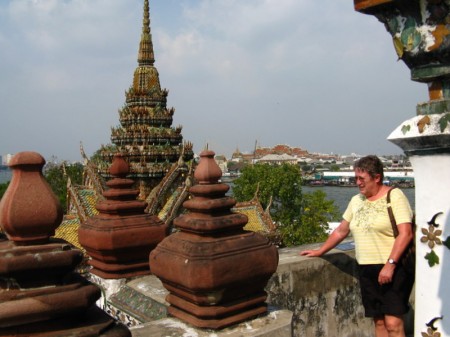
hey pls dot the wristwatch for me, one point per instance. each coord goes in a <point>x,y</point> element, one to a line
<point>391,261</point>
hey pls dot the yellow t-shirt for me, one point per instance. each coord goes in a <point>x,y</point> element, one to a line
<point>371,227</point>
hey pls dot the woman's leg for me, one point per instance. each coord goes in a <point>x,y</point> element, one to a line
<point>389,326</point>
<point>380,328</point>
<point>394,325</point>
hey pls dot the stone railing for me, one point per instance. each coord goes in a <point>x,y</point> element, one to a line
<point>323,293</point>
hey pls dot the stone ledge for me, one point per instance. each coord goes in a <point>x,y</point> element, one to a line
<point>276,323</point>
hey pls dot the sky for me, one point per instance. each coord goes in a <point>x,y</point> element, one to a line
<point>310,74</point>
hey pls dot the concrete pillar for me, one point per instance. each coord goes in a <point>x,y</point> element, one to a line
<point>421,37</point>
<point>429,152</point>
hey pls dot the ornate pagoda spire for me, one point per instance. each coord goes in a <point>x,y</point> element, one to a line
<point>145,137</point>
<point>146,55</point>
<point>146,78</point>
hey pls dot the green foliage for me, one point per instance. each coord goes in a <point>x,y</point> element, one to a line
<point>3,188</point>
<point>301,218</point>
<point>317,212</point>
<point>307,168</point>
<point>335,168</point>
<point>54,174</point>
<point>97,158</point>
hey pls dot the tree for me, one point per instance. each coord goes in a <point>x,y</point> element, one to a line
<point>335,168</point>
<point>3,188</point>
<point>317,212</point>
<point>301,217</point>
<point>54,174</point>
<point>307,168</point>
<point>97,158</point>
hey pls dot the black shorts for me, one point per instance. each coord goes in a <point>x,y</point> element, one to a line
<point>387,299</point>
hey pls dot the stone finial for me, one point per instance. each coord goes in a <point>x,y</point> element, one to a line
<point>214,270</point>
<point>29,211</point>
<point>120,238</point>
<point>119,167</point>
<point>207,171</point>
<point>40,294</point>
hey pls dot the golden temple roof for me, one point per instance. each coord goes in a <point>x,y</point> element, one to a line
<point>68,231</point>
<point>89,200</point>
<point>259,220</point>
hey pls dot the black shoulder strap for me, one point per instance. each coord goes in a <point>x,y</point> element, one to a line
<point>391,213</point>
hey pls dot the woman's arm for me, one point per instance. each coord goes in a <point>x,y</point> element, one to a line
<point>336,237</point>
<point>405,235</point>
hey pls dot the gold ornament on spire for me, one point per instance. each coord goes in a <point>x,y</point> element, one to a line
<point>146,55</point>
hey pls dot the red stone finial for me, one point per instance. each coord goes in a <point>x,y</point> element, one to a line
<point>208,171</point>
<point>40,293</point>
<point>121,236</point>
<point>214,270</point>
<point>119,167</point>
<point>29,210</point>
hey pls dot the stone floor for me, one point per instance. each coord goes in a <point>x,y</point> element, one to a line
<point>276,323</point>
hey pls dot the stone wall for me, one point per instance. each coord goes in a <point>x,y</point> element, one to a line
<point>323,293</point>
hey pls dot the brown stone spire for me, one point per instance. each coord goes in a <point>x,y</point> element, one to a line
<point>121,236</point>
<point>214,270</point>
<point>146,55</point>
<point>40,294</point>
<point>22,220</point>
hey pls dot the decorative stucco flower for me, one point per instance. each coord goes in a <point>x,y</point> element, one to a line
<point>431,236</point>
<point>431,333</point>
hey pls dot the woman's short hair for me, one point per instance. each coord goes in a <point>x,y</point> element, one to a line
<point>370,164</point>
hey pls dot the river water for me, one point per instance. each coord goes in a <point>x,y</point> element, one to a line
<point>5,176</point>
<point>342,195</point>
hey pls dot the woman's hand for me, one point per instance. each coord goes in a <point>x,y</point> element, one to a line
<point>336,237</point>
<point>311,253</point>
<point>386,274</point>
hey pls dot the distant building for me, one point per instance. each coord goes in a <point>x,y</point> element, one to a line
<point>280,149</point>
<point>266,152</point>
<point>239,157</point>
<point>278,159</point>
<point>5,159</point>
<point>222,162</point>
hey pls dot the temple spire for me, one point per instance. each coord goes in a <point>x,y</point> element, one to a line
<point>146,55</point>
<point>145,137</point>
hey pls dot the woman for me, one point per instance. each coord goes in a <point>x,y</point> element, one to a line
<point>385,286</point>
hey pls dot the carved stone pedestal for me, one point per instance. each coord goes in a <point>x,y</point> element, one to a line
<point>40,295</point>
<point>214,270</point>
<point>120,238</point>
